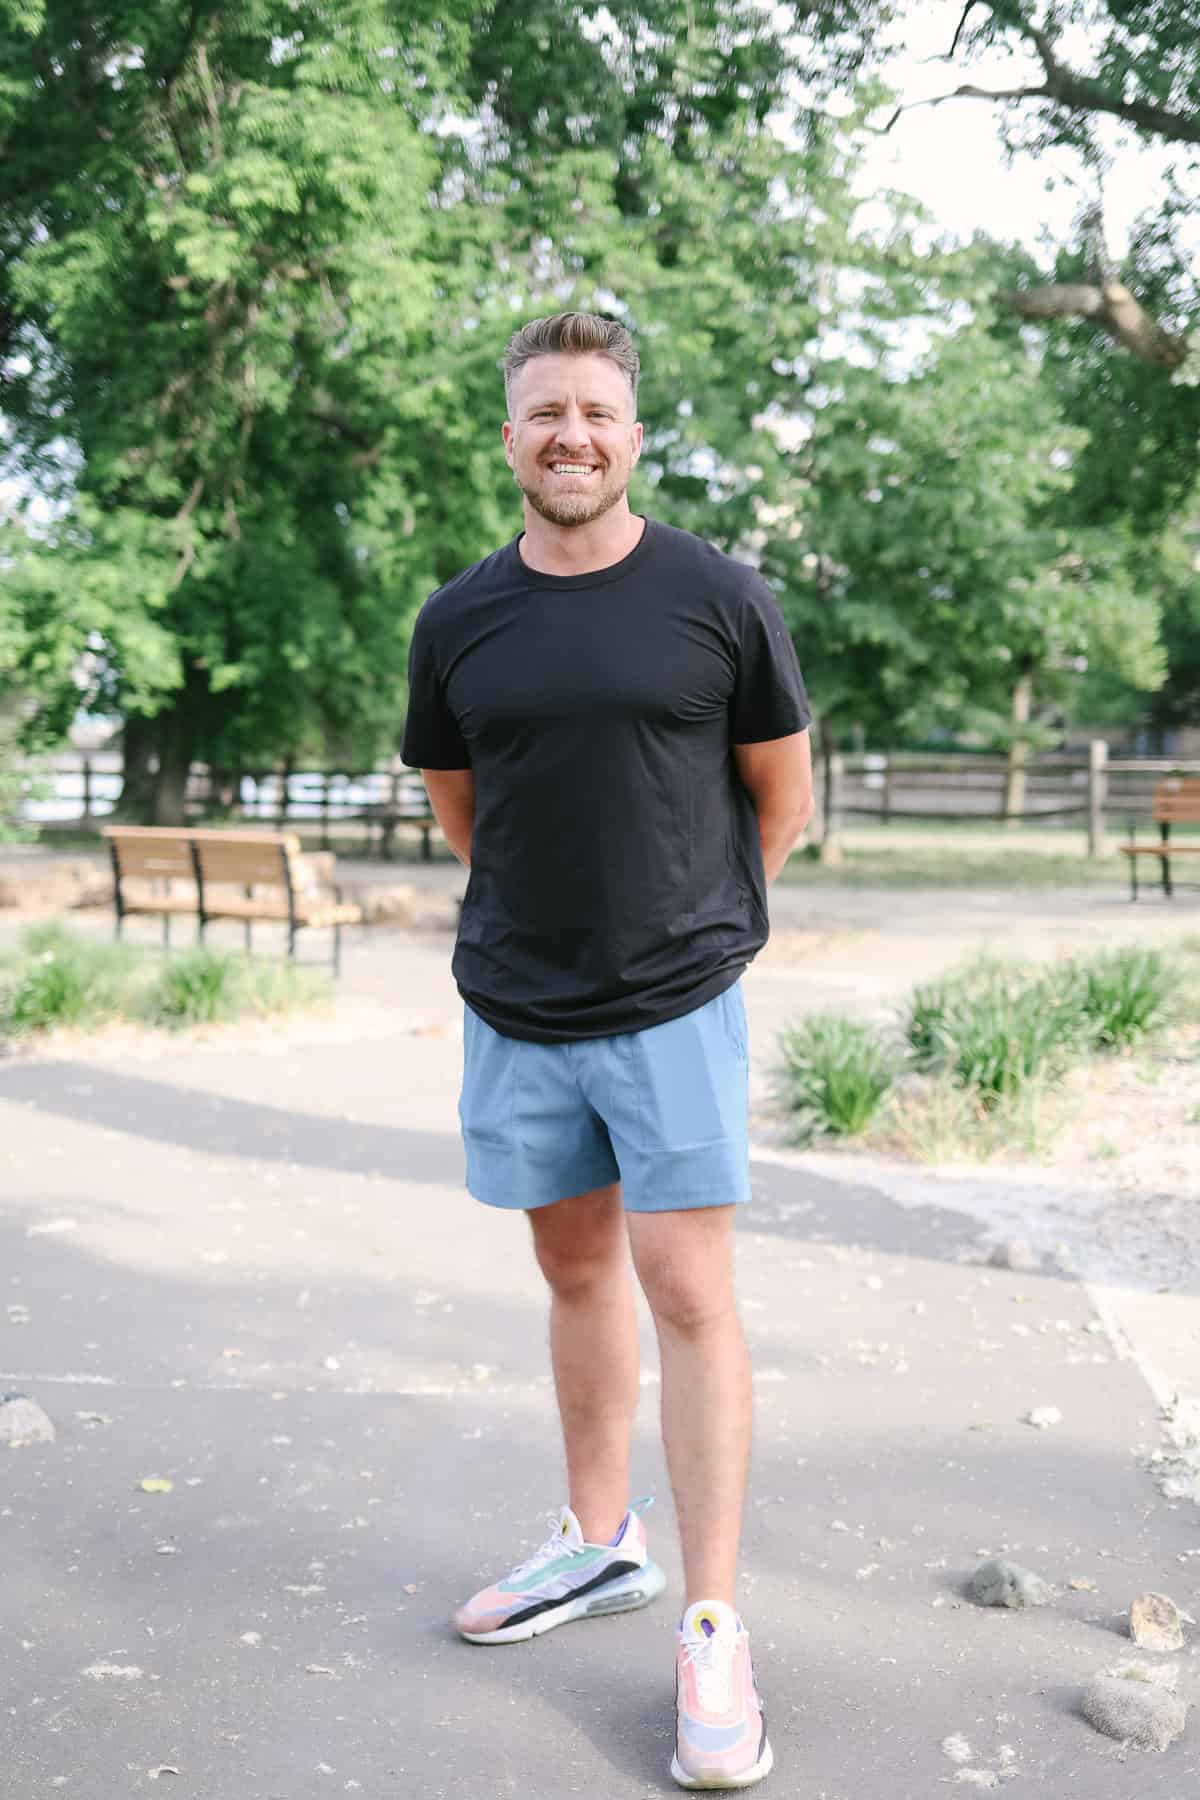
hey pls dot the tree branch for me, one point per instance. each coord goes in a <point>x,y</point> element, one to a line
<point>970,93</point>
<point>1083,93</point>
<point>1112,307</point>
<point>967,10</point>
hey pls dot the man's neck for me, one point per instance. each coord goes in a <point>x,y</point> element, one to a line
<point>579,549</point>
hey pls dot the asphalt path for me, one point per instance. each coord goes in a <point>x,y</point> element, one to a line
<point>250,1270</point>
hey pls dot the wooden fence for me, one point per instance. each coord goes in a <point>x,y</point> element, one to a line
<point>1089,791</point>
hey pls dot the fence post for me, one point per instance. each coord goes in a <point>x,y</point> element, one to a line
<point>831,833</point>
<point>87,787</point>
<point>887,791</point>
<point>325,809</point>
<point>1097,795</point>
<point>285,776</point>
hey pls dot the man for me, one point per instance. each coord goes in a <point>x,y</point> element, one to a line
<point>612,728</point>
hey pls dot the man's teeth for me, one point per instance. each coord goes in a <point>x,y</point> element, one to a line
<point>572,468</point>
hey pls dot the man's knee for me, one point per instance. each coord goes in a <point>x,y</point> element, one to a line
<point>685,1266</point>
<point>579,1243</point>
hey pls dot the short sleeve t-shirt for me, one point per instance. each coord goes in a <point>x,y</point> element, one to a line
<point>616,874</point>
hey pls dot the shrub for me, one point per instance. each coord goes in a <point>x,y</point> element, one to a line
<point>835,1073</point>
<point>57,979</point>
<point>202,987</point>
<point>995,1029</point>
<point>1124,995</point>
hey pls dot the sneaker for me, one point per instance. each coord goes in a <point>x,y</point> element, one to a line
<point>721,1729</point>
<point>567,1578</point>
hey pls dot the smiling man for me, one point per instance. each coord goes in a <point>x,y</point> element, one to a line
<point>613,732</point>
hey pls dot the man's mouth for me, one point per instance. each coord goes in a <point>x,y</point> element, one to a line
<point>573,468</point>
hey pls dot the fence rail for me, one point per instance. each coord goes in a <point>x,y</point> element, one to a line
<point>1056,788</point>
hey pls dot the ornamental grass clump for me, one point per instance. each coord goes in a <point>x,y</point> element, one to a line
<point>1125,996</point>
<point>206,987</point>
<point>55,979</point>
<point>834,1075</point>
<point>996,1030</point>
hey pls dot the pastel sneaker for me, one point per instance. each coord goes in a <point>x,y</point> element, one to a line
<point>566,1578</point>
<point>721,1729</point>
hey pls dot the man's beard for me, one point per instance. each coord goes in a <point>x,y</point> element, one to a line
<point>575,508</point>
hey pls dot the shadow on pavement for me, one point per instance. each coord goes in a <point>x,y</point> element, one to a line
<point>787,1202</point>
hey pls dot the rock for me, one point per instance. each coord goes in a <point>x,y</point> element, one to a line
<point>1015,1254</point>
<point>1000,1583</point>
<point>22,1422</point>
<point>394,903</point>
<point>1154,1623</point>
<point>1133,1711</point>
<point>1042,1417</point>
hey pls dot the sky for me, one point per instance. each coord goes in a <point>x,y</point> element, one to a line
<point>951,158</point>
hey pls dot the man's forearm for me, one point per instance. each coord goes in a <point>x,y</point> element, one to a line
<point>779,835</point>
<point>458,836</point>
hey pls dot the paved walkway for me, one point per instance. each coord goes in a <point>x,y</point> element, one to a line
<point>248,1266</point>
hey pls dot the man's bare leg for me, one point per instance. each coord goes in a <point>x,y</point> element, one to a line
<point>684,1261</point>
<point>582,1249</point>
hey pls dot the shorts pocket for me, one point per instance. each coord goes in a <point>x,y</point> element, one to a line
<point>733,1015</point>
<point>489,1089</point>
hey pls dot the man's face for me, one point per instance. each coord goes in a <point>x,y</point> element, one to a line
<point>572,440</point>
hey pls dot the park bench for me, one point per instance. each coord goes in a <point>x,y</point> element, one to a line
<point>206,875</point>
<point>1176,802</point>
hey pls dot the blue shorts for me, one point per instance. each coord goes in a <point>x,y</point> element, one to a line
<point>663,1111</point>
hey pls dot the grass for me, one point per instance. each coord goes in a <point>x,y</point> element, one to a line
<point>56,979</point>
<point>1124,996</point>
<point>985,1052</point>
<point>833,1077</point>
<point>945,865</point>
<point>994,1029</point>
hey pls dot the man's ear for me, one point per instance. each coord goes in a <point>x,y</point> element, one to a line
<point>636,435</point>
<point>506,432</point>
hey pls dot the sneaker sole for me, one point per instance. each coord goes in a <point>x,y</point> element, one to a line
<point>624,1595</point>
<point>762,1767</point>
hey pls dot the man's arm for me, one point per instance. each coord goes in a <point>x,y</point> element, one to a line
<point>778,777</point>
<point>452,797</point>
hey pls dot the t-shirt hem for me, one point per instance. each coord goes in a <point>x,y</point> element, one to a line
<point>677,1008</point>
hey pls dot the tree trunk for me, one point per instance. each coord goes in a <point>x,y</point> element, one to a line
<point>157,757</point>
<point>1018,755</point>
<point>830,850</point>
<point>139,767</point>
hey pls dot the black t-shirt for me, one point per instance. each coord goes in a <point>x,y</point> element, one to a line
<point>616,872</point>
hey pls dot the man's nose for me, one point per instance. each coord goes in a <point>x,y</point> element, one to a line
<point>573,431</point>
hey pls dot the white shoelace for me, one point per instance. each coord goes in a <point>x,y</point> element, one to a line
<point>555,1545</point>
<point>712,1659</point>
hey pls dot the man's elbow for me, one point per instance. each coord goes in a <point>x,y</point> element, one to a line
<point>801,815</point>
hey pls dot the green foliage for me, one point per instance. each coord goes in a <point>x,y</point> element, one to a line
<point>261,264</point>
<point>996,1029</point>
<point>834,1075</point>
<point>1125,996</point>
<point>204,987</point>
<point>929,572</point>
<point>56,978</point>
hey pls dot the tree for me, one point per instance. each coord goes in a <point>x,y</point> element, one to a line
<point>927,579</point>
<point>218,266</point>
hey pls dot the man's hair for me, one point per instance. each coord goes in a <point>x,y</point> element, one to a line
<point>571,334</point>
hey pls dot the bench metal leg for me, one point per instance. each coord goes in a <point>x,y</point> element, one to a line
<point>337,951</point>
<point>166,943</point>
